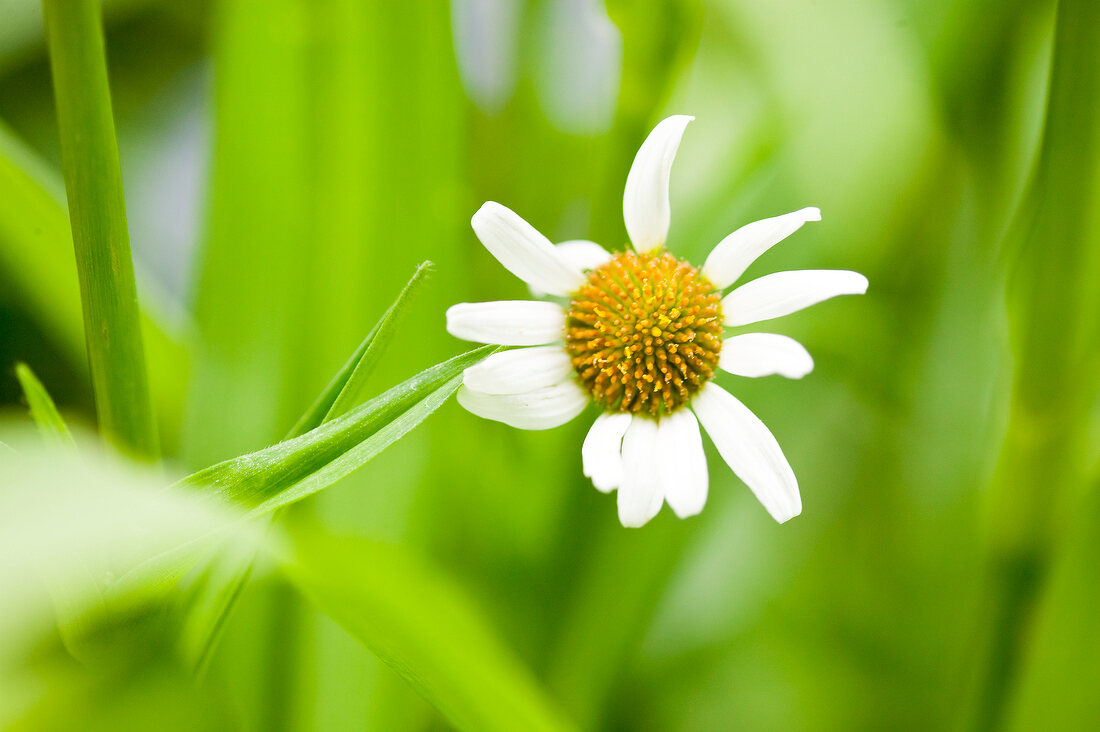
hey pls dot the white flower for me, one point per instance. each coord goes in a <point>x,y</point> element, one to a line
<point>642,333</point>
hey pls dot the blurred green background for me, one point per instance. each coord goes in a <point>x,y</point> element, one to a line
<point>287,163</point>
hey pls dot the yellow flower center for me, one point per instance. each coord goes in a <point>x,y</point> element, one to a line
<point>644,332</point>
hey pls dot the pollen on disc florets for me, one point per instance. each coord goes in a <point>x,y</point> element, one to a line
<point>644,332</point>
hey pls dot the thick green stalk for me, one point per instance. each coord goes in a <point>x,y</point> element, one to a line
<point>93,184</point>
<point>1055,328</point>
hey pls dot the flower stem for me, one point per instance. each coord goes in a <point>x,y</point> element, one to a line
<point>93,184</point>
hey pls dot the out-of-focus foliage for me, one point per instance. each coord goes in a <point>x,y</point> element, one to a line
<point>394,605</point>
<point>83,543</point>
<point>286,165</point>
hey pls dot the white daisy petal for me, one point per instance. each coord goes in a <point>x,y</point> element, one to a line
<point>601,453</point>
<point>682,465</point>
<point>640,492</point>
<point>580,253</point>
<point>540,409</point>
<point>750,450</point>
<point>583,254</point>
<point>645,200</point>
<point>736,252</point>
<point>524,369</point>
<point>524,251</point>
<point>507,322</point>
<point>764,354</point>
<point>783,293</point>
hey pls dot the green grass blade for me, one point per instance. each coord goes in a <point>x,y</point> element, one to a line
<point>215,591</point>
<point>291,470</point>
<point>280,475</point>
<point>425,628</point>
<point>43,410</point>
<point>390,431</point>
<point>384,332</point>
<point>93,183</point>
<point>347,385</point>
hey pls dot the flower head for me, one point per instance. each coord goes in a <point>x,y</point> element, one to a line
<point>641,334</point>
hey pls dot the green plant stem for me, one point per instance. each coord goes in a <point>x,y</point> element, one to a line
<point>93,185</point>
<point>1055,329</point>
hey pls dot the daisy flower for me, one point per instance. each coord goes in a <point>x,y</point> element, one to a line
<point>642,333</point>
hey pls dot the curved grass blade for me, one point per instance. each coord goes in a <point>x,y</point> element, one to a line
<point>93,184</point>
<point>43,410</point>
<point>215,591</point>
<point>425,628</point>
<point>291,470</point>
<point>347,384</point>
<point>282,474</point>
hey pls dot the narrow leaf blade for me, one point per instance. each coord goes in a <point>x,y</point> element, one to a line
<point>281,474</point>
<point>348,382</point>
<point>214,592</point>
<point>43,410</point>
<point>384,332</point>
